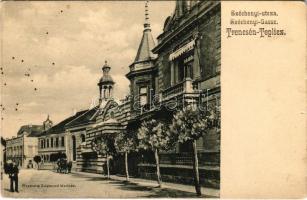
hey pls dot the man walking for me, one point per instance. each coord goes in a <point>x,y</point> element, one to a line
<point>9,171</point>
<point>14,178</point>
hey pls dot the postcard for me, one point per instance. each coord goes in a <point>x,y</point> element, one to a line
<point>153,99</point>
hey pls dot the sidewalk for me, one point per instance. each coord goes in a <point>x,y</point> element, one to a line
<point>208,192</point>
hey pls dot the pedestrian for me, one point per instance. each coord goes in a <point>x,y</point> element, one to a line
<point>14,178</point>
<point>59,165</point>
<point>69,166</point>
<point>9,170</point>
<point>65,166</point>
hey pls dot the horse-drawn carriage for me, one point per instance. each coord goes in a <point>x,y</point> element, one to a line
<point>63,166</point>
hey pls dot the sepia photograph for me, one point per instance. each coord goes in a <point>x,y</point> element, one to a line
<point>110,99</point>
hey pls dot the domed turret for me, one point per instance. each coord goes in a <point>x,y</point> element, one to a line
<point>106,77</point>
<point>105,83</point>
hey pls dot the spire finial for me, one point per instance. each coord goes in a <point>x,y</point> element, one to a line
<point>106,67</point>
<point>146,24</point>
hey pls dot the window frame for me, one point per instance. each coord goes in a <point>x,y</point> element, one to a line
<point>143,94</point>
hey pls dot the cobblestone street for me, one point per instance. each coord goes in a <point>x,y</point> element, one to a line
<point>45,183</point>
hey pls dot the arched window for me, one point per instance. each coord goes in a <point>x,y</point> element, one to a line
<point>74,149</point>
<point>82,136</point>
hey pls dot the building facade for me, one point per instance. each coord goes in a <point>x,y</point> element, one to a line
<point>183,68</point>
<point>76,136</point>
<point>53,140</point>
<point>24,147</point>
<point>110,118</point>
<point>186,70</point>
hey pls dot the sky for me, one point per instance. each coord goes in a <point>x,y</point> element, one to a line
<point>59,48</point>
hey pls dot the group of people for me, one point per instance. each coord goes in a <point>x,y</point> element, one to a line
<point>64,166</point>
<point>11,168</point>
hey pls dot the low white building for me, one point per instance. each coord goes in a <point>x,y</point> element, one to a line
<point>24,147</point>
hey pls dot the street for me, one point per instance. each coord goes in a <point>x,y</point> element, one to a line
<point>44,183</point>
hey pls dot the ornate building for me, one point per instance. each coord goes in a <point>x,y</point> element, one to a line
<point>186,70</point>
<point>143,71</point>
<point>183,68</point>
<point>110,118</point>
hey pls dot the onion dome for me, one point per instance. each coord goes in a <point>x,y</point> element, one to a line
<point>106,77</point>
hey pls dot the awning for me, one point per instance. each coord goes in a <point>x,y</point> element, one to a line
<point>187,47</point>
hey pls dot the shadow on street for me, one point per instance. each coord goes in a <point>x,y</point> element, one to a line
<point>154,192</point>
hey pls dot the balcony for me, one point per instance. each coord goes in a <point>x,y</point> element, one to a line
<point>185,86</point>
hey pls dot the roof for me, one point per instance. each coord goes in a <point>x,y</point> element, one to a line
<point>60,127</point>
<point>3,142</point>
<point>85,118</point>
<point>147,44</point>
<point>32,130</point>
<point>106,78</point>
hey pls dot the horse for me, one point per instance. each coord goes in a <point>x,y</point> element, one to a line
<point>64,166</point>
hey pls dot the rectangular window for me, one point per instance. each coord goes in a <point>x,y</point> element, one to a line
<point>180,71</point>
<point>143,96</point>
<point>42,144</point>
<point>56,142</point>
<point>63,142</point>
<point>47,143</point>
<point>51,142</point>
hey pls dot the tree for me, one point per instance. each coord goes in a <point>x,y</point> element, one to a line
<point>188,125</point>
<point>37,159</point>
<point>125,144</point>
<point>153,135</point>
<point>104,145</point>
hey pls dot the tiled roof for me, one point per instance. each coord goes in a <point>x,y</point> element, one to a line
<point>33,130</point>
<point>60,127</point>
<point>86,118</point>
